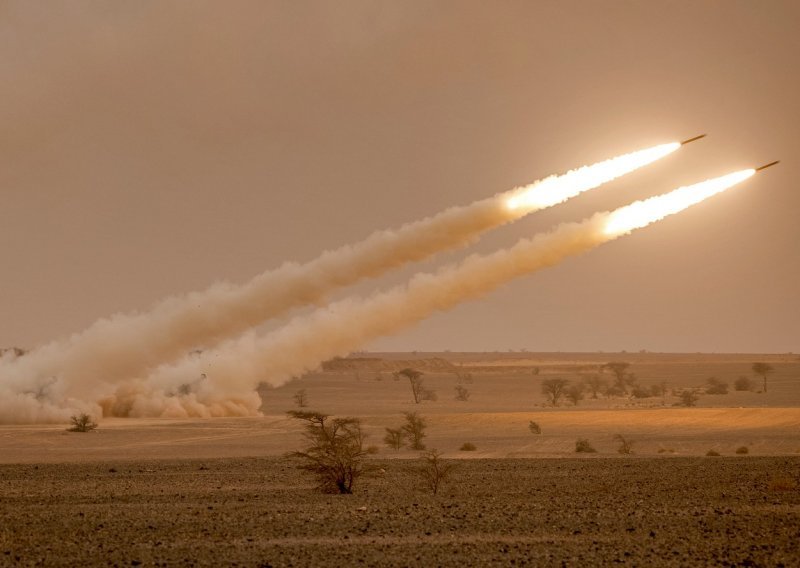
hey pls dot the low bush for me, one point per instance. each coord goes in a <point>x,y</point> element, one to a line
<point>715,386</point>
<point>534,427</point>
<point>742,450</point>
<point>625,445</point>
<point>468,447</point>
<point>82,423</point>
<point>435,470</point>
<point>462,393</point>
<point>713,453</point>
<point>582,445</point>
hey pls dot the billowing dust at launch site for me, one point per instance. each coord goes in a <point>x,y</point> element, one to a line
<point>140,364</point>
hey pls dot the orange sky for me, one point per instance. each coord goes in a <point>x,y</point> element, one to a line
<point>151,148</point>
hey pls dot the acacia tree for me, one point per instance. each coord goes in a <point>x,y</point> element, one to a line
<point>574,393</point>
<point>595,384</point>
<point>762,370</point>
<point>414,430</point>
<point>554,389</point>
<point>621,377</point>
<point>336,453</point>
<point>415,380</point>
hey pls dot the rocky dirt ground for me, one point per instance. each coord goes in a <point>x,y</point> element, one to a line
<point>676,511</point>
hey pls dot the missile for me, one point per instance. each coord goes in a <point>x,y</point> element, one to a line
<point>693,139</point>
<point>765,166</point>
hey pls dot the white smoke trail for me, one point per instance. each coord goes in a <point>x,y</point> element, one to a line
<point>128,345</point>
<point>238,366</point>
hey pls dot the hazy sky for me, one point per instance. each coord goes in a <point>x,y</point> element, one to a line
<point>152,148</point>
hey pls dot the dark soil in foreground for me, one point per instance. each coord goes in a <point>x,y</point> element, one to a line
<point>261,512</point>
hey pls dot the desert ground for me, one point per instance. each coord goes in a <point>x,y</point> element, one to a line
<point>220,491</point>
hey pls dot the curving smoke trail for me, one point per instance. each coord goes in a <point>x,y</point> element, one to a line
<point>230,374</point>
<point>128,345</point>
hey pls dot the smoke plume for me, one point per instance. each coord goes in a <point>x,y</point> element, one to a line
<point>237,367</point>
<point>124,346</point>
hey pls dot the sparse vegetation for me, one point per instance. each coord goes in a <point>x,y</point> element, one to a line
<point>715,386</point>
<point>468,447</point>
<point>336,453</point>
<point>394,438</point>
<point>553,389</point>
<point>464,378</point>
<point>762,370</point>
<point>462,393</point>
<point>595,384</point>
<point>688,398</point>
<point>574,393</point>
<point>622,379</point>
<point>534,427</point>
<point>418,390</point>
<point>743,384</point>
<point>435,470</point>
<point>625,445</point>
<point>82,423</point>
<point>742,450</point>
<point>713,453</point>
<point>414,430</point>
<point>583,446</point>
<point>301,398</point>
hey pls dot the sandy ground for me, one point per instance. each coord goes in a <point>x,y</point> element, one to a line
<point>219,491</point>
<point>260,512</point>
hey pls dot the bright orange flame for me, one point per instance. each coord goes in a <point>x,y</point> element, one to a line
<point>557,189</point>
<point>642,213</point>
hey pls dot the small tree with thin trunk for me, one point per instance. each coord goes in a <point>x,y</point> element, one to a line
<point>336,452</point>
<point>762,370</point>
<point>688,397</point>
<point>394,438</point>
<point>435,470</point>
<point>574,393</point>
<point>621,377</point>
<point>301,398</point>
<point>414,430</point>
<point>554,389</point>
<point>414,377</point>
<point>595,384</point>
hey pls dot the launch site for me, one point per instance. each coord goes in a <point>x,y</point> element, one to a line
<point>400,284</point>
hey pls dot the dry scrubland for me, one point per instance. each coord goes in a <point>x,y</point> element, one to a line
<point>257,512</point>
<point>208,491</point>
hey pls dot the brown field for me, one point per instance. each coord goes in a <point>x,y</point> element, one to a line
<point>219,491</point>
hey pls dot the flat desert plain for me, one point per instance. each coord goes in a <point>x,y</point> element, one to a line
<point>219,491</point>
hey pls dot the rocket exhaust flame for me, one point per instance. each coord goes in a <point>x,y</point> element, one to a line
<point>235,369</point>
<point>128,345</point>
<point>642,213</point>
<point>556,189</point>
